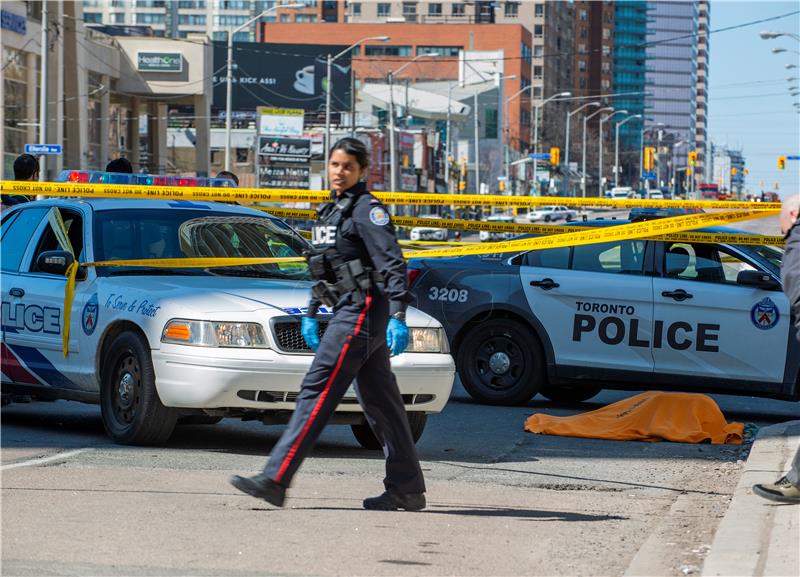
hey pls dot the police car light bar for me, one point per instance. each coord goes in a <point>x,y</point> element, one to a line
<point>100,177</point>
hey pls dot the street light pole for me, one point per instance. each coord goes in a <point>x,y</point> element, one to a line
<point>600,156</point>
<point>566,137</point>
<point>508,130</point>
<point>586,118</point>
<point>328,90</point>
<point>43,92</point>
<point>616,146</point>
<point>536,132</point>
<point>229,76</point>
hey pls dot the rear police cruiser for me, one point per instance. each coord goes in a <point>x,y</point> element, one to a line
<point>155,346</point>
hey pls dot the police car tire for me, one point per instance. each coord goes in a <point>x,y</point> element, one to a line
<point>149,422</point>
<point>547,218</point>
<point>367,439</point>
<point>569,394</point>
<point>530,362</point>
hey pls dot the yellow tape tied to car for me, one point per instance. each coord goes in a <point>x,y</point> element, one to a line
<point>292,195</point>
<point>590,236</point>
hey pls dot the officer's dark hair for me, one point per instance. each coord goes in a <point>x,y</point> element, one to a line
<point>229,175</point>
<point>122,165</point>
<point>354,147</point>
<point>25,166</point>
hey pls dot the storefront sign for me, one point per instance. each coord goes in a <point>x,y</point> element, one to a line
<point>280,121</point>
<point>295,150</point>
<point>159,62</point>
<point>278,176</point>
<point>13,22</point>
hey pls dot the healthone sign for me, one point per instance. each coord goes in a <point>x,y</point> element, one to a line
<point>159,62</point>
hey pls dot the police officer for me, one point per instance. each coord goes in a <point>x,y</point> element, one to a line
<point>361,274</point>
<point>26,167</point>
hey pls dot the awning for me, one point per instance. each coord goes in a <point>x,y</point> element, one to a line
<point>421,103</point>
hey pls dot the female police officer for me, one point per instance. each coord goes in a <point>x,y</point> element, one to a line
<point>361,274</point>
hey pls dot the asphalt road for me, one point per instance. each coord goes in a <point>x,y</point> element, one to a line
<point>501,501</point>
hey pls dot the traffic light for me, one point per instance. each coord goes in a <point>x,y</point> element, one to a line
<point>555,156</point>
<point>649,158</point>
<point>781,162</point>
<point>501,185</point>
<point>693,158</point>
<point>463,167</point>
<point>746,171</point>
<point>462,185</point>
<point>733,171</point>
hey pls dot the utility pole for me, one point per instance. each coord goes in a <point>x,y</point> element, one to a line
<point>43,92</point>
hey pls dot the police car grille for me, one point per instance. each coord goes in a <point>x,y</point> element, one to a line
<point>289,338</point>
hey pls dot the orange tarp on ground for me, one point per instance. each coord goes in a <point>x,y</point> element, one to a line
<point>653,416</point>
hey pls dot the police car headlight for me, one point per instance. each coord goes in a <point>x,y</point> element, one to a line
<point>214,334</point>
<point>427,341</point>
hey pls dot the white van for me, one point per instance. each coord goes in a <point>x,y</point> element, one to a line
<point>620,192</point>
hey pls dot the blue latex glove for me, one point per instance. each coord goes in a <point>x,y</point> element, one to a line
<point>396,337</point>
<point>309,329</point>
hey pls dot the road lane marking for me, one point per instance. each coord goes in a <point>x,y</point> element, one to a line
<point>42,460</point>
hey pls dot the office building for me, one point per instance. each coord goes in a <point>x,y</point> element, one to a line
<point>703,61</point>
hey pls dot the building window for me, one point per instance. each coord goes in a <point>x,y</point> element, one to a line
<point>119,18</point>
<point>490,122</point>
<point>387,50</point>
<point>537,72</point>
<point>356,8</point>
<point>537,92</point>
<point>236,4</point>
<point>192,4</point>
<point>582,65</point>
<point>606,33</point>
<point>409,9</point>
<point>538,31</point>
<point>584,32</point>
<point>583,15</point>
<point>581,48</point>
<point>285,18</point>
<point>457,9</point>
<point>149,18</point>
<point>539,10</point>
<point>512,9</point>
<point>92,17</point>
<point>605,66</point>
<point>305,18</point>
<point>192,19</point>
<point>538,51</point>
<point>439,50</point>
<point>150,3</point>
<point>606,50</point>
<point>384,9</point>
<point>435,9</point>
<point>605,84</point>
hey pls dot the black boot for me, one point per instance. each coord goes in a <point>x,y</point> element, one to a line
<point>261,487</point>
<point>393,501</point>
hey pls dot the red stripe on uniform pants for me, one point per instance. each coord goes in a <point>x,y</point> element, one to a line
<point>290,455</point>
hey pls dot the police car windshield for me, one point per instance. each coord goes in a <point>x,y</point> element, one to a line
<point>180,233</point>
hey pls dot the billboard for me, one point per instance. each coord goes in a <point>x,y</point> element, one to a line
<point>280,121</point>
<point>281,76</point>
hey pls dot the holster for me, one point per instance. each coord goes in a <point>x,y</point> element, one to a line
<point>352,278</point>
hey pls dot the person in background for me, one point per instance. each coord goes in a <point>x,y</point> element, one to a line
<point>229,175</point>
<point>787,488</point>
<point>122,165</point>
<point>26,168</point>
<point>361,275</point>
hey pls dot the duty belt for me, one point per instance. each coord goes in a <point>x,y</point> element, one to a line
<point>352,278</point>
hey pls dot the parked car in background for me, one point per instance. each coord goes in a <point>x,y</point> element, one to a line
<point>493,236</point>
<point>552,214</point>
<point>428,232</point>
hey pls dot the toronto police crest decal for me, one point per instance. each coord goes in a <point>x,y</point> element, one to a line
<point>764,314</point>
<point>89,315</point>
<point>379,216</point>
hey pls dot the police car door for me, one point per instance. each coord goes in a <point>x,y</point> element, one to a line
<point>38,341</point>
<point>595,303</point>
<point>707,325</point>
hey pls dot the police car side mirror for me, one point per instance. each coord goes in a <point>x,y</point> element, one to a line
<point>758,279</point>
<point>54,262</point>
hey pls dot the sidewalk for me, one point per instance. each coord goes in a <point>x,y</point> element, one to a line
<point>758,537</point>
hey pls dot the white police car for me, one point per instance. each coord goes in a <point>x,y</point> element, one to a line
<point>631,314</point>
<point>155,345</point>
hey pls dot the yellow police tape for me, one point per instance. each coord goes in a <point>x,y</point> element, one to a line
<point>293,195</point>
<point>533,228</point>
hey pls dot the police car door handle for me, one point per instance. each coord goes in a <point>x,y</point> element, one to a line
<point>17,292</point>
<point>678,295</point>
<point>545,284</point>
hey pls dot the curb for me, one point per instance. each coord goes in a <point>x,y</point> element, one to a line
<point>758,537</point>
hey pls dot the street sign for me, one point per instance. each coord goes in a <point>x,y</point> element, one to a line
<point>540,156</point>
<point>649,175</point>
<point>43,149</point>
<point>793,158</point>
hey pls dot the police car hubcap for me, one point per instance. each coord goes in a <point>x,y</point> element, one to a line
<point>499,363</point>
<point>126,387</point>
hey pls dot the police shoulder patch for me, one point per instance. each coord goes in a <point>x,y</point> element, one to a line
<point>379,216</point>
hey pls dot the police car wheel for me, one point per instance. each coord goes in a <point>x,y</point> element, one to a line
<point>131,410</point>
<point>547,218</point>
<point>367,439</point>
<point>500,362</point>
<point>569,394</point>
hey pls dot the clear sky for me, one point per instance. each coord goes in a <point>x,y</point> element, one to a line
<point>750,106</point>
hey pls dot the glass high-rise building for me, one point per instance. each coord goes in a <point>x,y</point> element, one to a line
<point>630,56</point>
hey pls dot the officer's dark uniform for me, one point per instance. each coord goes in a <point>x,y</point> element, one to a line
<point>362,275</point>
